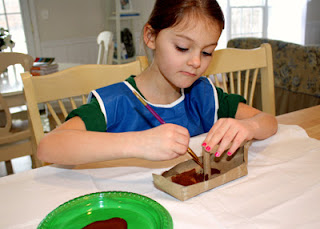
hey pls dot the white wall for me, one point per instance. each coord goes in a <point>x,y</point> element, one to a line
<point>68,28</point>
<point>312,35</point>
<point>144,7</point>
<point>61,19</point>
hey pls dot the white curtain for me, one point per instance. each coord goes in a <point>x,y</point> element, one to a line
<point>287,20</point>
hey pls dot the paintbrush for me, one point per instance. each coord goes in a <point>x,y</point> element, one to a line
<point>192,154</point>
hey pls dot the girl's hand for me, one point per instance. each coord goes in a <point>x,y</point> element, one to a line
<point>165,142</point>
<point>226,131</point>
<point>249,123</point>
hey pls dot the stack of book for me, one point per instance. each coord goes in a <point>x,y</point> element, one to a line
<point>43,66</point>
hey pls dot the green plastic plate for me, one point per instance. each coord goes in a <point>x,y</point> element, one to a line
<point>138,211</point>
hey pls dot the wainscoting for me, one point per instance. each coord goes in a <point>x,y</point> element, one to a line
<point>80,50</point>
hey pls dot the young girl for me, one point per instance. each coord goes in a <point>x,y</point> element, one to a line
<point>182,34</point>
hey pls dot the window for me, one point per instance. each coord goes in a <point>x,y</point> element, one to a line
<point>11,19</point>
<point>273,19</point>
<point>248,18</point>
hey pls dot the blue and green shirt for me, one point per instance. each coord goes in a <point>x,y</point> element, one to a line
<point>115,108</point>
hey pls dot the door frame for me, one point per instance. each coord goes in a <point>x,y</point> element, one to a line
<point>30,24</point>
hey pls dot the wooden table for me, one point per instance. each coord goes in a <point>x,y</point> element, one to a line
<point>11,86</point>
<point>308,119</point>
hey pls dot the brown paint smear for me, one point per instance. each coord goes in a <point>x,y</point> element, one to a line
<point>191,177</point>
<point>114,223</point>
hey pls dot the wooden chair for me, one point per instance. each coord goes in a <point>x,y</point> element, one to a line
<point>63,88</point>
<point>16,138</point>
<point>12,58</point>
<point>296,72</point>
<point>240,69</point>
<point>106,47</point>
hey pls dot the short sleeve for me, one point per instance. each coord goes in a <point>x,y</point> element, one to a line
<point>228,104</point>
<point>91,115</point>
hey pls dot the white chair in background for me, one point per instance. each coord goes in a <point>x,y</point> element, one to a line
<point>106,48</point>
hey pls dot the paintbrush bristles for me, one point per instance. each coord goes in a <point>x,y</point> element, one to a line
<point>195,157</point>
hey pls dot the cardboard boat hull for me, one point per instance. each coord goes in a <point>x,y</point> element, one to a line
<point>231,168</point>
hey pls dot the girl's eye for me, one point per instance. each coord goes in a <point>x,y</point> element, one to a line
<point>207,54</point>
<point>181,49</point>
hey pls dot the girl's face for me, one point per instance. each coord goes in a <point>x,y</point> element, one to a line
<point>182,53</point>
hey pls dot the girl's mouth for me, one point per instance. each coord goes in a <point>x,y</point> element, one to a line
<point>188,73</point>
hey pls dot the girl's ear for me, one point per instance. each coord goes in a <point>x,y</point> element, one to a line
<point>149,36</point>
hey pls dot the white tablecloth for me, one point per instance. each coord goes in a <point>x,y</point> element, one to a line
<point>282,189</point>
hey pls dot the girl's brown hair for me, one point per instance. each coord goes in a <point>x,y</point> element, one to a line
<point>167,13</point>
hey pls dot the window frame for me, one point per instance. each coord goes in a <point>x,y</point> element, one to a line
<point>30,25</point>
<point>244,6</point>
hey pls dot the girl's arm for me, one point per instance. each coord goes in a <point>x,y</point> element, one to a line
<point>249,123</point>
<point>71,143</point>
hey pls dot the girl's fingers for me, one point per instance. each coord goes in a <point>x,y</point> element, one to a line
<point>216,134</point>
<point>226,132</point>
<point>216,129</point>
<point>238,140</point>
<point>226,141</point>
<point>179,138</point>
<point>164,142</point>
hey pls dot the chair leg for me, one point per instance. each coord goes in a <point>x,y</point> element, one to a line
<point>9,167</point>
<point>36,163</point>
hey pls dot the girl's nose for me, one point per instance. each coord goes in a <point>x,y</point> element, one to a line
<point>194,61</point>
